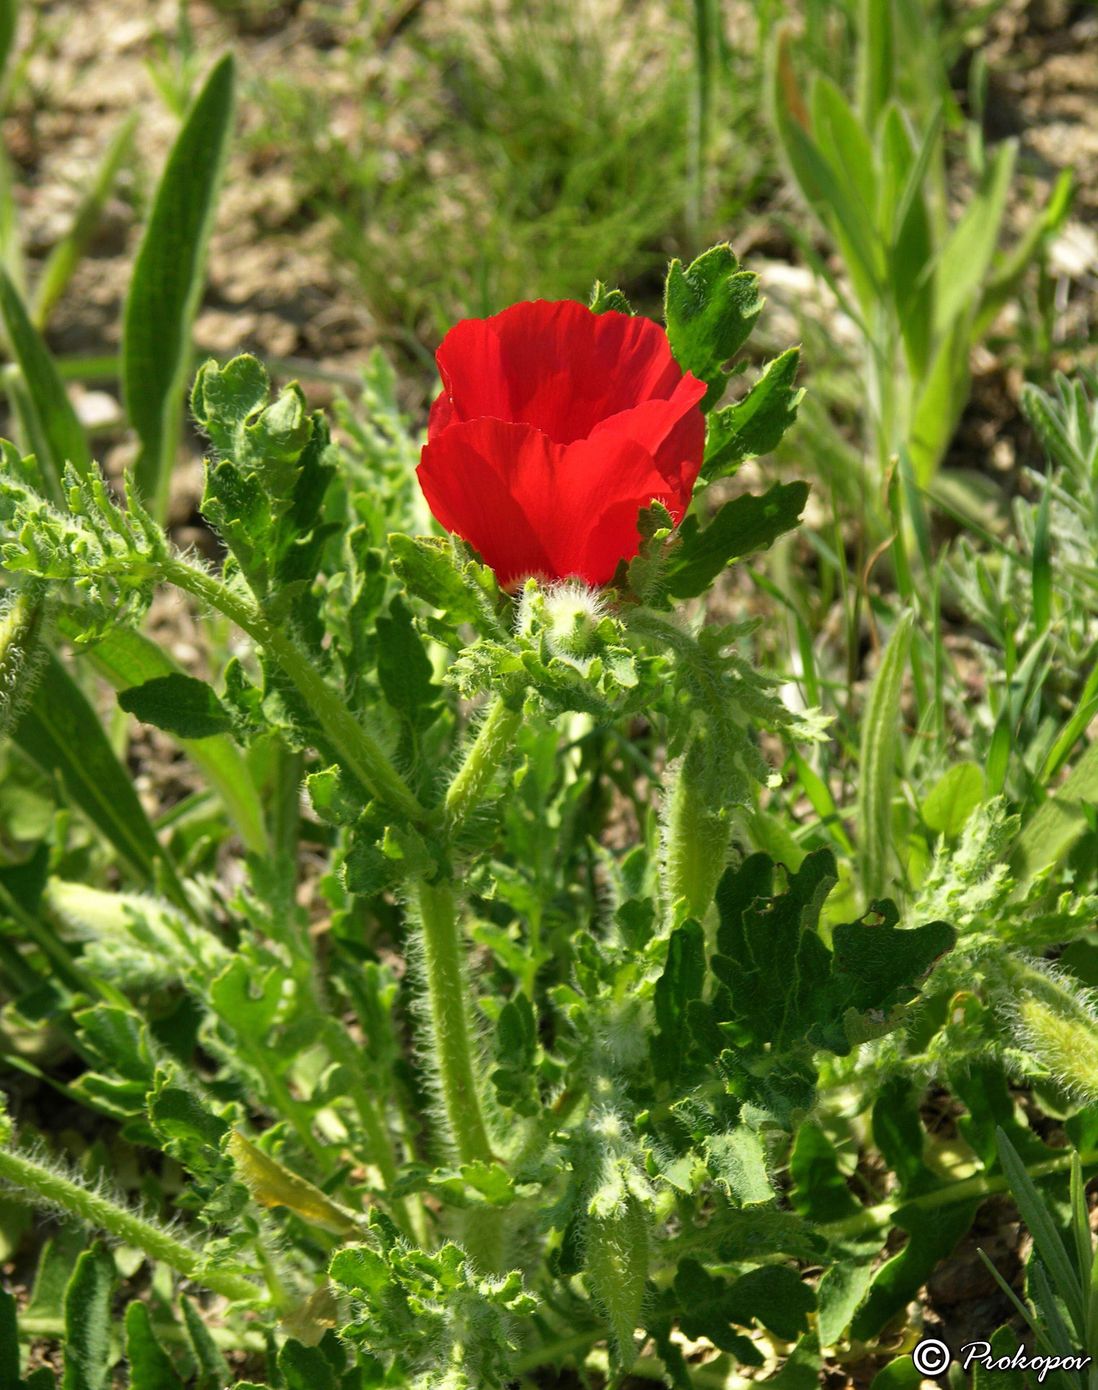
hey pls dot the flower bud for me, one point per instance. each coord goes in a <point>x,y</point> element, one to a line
<point>22,620</point>
<point>571,618</point>
<point>1057,1025</point>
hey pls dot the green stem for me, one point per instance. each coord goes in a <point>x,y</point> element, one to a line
<point>878,1218</point>
<point>488,750</point>
<point>350,741</point>
<point>94,1209</point>
<point>446,997</point>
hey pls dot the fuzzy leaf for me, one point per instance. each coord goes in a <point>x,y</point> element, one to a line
<point>743,525</point>
<point>87,1343</point>
<point>167,282</point>
<point>178,704</point>
<point>710,307</point>
<point>754,425</point>
<point>149,1364</point>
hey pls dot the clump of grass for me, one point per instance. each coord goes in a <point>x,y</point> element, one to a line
<point>490,151</point>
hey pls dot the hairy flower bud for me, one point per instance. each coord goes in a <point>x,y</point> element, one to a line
<point>22,621</point>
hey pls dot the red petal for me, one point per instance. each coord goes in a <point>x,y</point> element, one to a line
<point>673,432</point>
<point>475,478</point>
<point>532,507</point>
<point>555,365</point>
<point>601,488</point>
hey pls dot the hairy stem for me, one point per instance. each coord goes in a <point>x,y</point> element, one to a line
<point>352,744</point>
<point>94,1209</point>
<point>487,751</point>
<point>444,968</point>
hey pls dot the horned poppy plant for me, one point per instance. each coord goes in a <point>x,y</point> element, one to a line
<point>555,427</point>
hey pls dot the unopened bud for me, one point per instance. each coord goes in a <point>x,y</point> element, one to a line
<point>22,622</point>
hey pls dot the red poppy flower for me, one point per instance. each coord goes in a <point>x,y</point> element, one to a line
<point>556,426</point>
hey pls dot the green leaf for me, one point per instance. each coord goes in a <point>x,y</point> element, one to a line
<point>1042,1227</point>
<point>737,1161</point>
<point>605,300</point>
<point>9,1344</point>
<point>880,735</point>
<point>706,1311</point>
<point>403,667</point>
<point>179,704</point>
<point>429,568</point>
<point>149,1365</point>
<point>61,732</point>
<point>820,1192</point>
<point>167,283</point>
<point>754,425</point>
<point>710,307</point>
<point>839,1294</point>
<point>87,1342</point>
<point>785,989</point>
<point>953,798</point>
<point>965,259</point>
<point>305,1368</point>
<point>246,1000</point>
<point>213,1371</point>
<point>56,434</point>
<point>1060,821</point>
<point>682,980</point>
<point>128,658</point>
<point>616,1270</point>
<point>741,526</point>
<point>774,1296</point>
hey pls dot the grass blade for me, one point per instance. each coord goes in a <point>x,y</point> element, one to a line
<point>1046,1238</point>
<point>61,732</point>
<point>167,282</point>
<point>53,425</point>
<point>126,658</point>
<point>878,759</point>
<point>67,254</point>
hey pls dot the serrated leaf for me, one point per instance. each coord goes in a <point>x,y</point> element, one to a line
<point>305,1368</point>
<point>616,1270</point>
<point>429,569</point>
<point>87,1343</point>
<point>606,300</point>
<point>704,1300</point>
<point>756,424</point>
<point>178,704</point>
<point>741,526</point>
<point>710,307</point>
<point>785,988</point>
<point>167,282</point>
<point>776,1297</point>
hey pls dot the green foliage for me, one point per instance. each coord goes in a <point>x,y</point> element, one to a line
<point>926,283</point>
<point>167,282</point>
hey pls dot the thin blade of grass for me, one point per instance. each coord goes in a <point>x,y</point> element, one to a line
<point>167,282</point>
<point>61,732</point>
<point>880,731</point>
<point>56,428</point>
<point>67,254</point>
<point>1046,1238</point>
